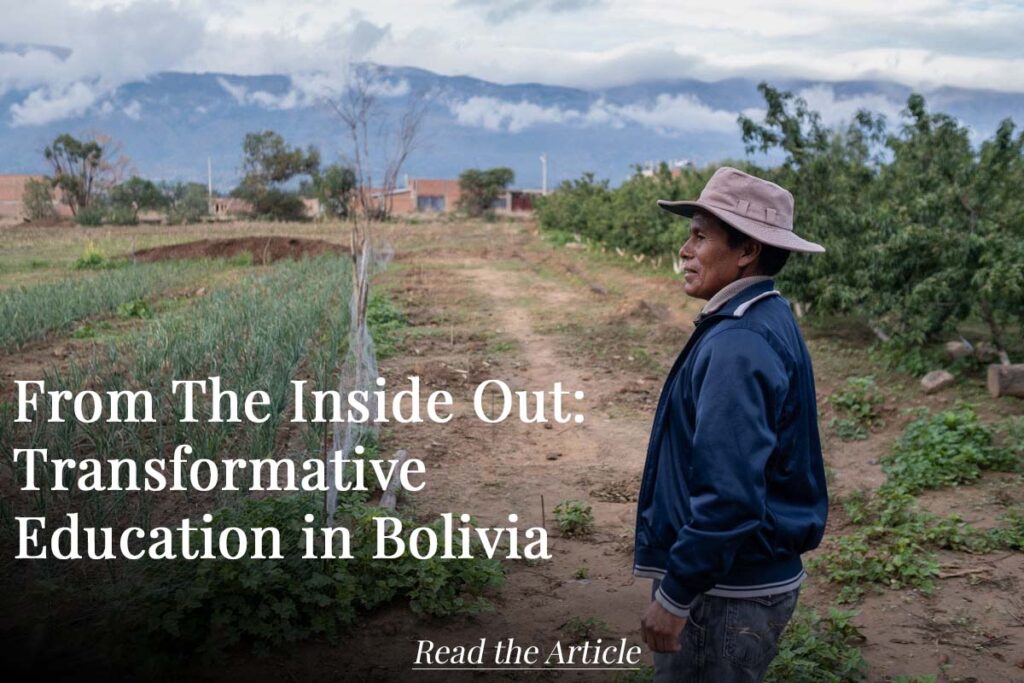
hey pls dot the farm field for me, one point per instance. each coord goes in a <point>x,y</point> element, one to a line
<point>481,300</point>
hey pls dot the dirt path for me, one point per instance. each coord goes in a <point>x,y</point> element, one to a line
<point>483,305</point>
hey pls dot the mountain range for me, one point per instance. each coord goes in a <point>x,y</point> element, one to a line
<point>170,123</point>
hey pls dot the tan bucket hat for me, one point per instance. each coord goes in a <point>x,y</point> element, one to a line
<point>755,207</point>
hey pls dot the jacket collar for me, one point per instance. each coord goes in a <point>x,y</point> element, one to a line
<point>738,304</point>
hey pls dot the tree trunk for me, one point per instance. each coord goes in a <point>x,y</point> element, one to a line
<point>1006,380</point>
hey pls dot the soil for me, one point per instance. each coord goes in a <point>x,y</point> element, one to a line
<point>493,301</point>
<point>262,249</point>
<point>611,331</point>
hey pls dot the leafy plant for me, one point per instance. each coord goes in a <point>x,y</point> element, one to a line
<point>137,308</point>
<point>385,322</point>
<point>816,649</point>
<point>860,401</point>
<point>92,258</point>
<point>847,429</point>
<point>209,606</point>
<point>1011,534</point>
<point>575,518</point>
<point>894,544</point>
<point>580,630</point>
<point>945,449</point>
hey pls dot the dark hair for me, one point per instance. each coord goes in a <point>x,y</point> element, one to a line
<point>770,261</point>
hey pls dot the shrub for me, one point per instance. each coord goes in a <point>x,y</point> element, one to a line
<point>574,518</point>
<point>275,204</point>
<point>186,202</point>
<point>119,214</point>
<point>38,200</point>
<point>92,258</point>
<point>90,216</point>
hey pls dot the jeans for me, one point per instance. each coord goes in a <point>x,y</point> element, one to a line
<point>727,640</point>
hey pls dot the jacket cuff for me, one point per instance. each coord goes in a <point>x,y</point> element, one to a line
<point>672,606</point>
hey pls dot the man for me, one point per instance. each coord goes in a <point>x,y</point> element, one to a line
<point>734,484</point>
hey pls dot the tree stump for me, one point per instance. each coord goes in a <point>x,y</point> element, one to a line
<point>1006,380</point>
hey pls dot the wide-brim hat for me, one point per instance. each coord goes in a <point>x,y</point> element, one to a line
<point>754,206</point>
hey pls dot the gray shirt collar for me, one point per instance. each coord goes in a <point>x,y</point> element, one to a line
<point>723,295</point>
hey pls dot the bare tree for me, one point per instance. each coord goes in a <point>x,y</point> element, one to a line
<point>380,147</point>
<point>114,166</point>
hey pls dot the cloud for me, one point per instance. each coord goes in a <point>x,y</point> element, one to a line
<point>101,49</point>
<point>46,105</point>
<point>673,114</point>
<point>593,44</point>
<point>838,111</point>
<point>502,10</point>
<point>666,114</point>
<point>307,90</point>
<point>133,110</point>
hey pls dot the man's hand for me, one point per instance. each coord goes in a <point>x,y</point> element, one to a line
<point>660,629</point>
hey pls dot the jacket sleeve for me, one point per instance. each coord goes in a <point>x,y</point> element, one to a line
<point>737,384</point>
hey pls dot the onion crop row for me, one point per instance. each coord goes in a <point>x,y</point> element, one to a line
<point>256,334</point>
<point>30,313</point>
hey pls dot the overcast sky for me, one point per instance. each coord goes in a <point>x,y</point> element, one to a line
<point>586,43</point>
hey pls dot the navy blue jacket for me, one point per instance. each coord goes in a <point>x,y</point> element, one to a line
<point>733,488</point>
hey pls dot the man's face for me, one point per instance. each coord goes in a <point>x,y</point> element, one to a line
<point>709,263</point>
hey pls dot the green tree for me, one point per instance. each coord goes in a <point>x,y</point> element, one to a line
<point>924,230</point>
<point>38,200</point>
<point>335,188</point>
<point>480,188</point>
<point>75,164</point>
<point>269,163</point>
<point>186,202</point>
<point>134,195</point>
<point>833,177</point>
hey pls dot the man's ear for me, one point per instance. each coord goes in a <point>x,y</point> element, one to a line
<point>750,252</point>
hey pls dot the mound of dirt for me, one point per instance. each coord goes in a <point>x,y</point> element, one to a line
<point>262,249</point>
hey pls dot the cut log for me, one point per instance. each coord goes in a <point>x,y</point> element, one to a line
<point>1006,380</point>
<point>389,499</point>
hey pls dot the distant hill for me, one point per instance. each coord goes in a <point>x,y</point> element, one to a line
<point>170,123</point>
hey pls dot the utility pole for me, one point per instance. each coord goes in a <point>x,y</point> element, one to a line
<point>544,173</point>
<point>209,178</point>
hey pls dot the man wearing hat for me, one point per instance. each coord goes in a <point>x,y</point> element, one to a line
<point>733,488</point>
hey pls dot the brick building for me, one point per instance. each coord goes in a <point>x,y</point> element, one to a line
<point>12,196</point>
